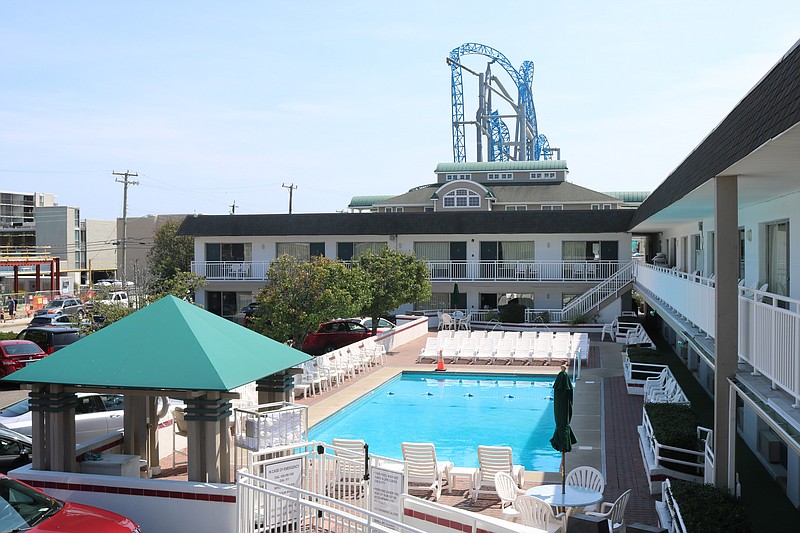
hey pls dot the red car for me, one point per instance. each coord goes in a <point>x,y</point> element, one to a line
<point>15,354</point>
<point>333,335</point>
<point>28,509</point>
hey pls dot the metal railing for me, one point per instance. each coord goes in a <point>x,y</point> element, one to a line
<point>669,463</point>
<point>599,293</point>
<point>548,271</point>
<point>769,338</point>
<point>673,513</point>
<point>688,295</point>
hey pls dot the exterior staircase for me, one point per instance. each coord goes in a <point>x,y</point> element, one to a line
<point>600,294</point>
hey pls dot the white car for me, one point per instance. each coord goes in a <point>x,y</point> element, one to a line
<point>96,415</point>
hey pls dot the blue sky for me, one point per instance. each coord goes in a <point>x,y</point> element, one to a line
<point>214,103</point>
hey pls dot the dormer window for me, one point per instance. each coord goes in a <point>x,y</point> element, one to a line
<point>500,176</point>
<point>456,177</point>
<point>462,198</point>
<point>543,175</point>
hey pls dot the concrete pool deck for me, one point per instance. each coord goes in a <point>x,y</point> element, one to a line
<point>604,421</point>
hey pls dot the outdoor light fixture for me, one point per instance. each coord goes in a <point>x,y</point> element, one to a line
<point>652,313</point>
<point>749,235</point>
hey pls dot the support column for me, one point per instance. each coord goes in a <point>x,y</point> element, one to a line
<point>53,418</point>
<point>135,442</point>
<point>726,224</point>
<point>153,461</point>
<point>208,438</point>
<point>275,388</point>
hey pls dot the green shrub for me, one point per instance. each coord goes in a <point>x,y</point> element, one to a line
<point>708,508</point>
<point>7,335</point>
<point>674,425</point>
<point>642,355</point>
<point>491,315</point>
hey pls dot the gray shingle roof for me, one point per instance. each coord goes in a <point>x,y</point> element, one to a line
<point>770,108</point>
<point>321,224</point>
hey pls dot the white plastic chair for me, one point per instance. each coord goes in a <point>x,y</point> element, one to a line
<point>589,478</point>
<point>537,513</point>
<point>509,492</point>
<point>614,512</point>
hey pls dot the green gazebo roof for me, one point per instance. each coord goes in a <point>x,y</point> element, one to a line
<point>168,345</point>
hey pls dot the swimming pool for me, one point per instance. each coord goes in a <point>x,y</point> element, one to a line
<point>456,412</point>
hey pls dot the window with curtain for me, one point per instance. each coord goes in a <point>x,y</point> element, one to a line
<point>300,250</point>
<point>360,248</point>
<point>778,258</point>
<point>432,251</point>
<point>573,251</point>
<point>229,251</point>
<point>438,300</point>
<point>517,250</point>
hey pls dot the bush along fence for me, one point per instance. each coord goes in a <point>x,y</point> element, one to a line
<point>687,507</point>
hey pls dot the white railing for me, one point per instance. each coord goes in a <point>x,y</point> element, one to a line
<point>690,296</point>
<point>543,316</point>
<point>669,514</point>
<point>668,463</point>
<point>267,505</point>
<point>503,270</point>
<point>597,294</point>
<point>769,338</point>
<point>231,270</point>
<point>635,385</point>
<point>573,271</point>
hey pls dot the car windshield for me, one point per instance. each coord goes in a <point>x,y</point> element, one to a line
<point>22,506</point>
<point>55,304</point>
<point>22,349</point>
<point>16,409</point>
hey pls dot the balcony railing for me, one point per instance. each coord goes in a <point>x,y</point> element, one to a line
<point>690,296</point>
<point>769,324</point>
<point>556,271</point>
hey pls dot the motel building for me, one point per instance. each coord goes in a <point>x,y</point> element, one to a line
<point>716,274</point>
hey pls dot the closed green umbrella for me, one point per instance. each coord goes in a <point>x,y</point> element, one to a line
<point>455,297</point>
<point>563,437</point>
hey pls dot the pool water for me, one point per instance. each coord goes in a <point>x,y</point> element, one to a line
<point>456,413</point>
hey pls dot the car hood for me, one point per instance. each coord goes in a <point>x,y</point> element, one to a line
<point>77,517</point>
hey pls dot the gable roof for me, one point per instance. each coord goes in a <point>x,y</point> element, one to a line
<point>511,193</point>
<point>441,223</point>
<point>168,345</point>
<point>769,109</point>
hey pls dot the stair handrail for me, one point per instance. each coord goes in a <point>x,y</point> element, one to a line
<point>621,277</point>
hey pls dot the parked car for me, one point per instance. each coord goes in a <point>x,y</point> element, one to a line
<point>383,324</point>
<point>62,306</point>
<point>51,320</point>
<point>28,509</point>
<point>333,335</point>
<point>250,311</point>
<point>15,354</point>
<point>115,298</point>
<point>15,450</point>
<point>96,415</point>
<point>50,338</point>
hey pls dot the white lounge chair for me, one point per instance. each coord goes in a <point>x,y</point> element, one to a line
<point>491,460</point>
<point>430,351</point>
<point>537,513</point>
<point>485,351</point>
<point>467,350</point>
<point>505,350</point>
<point>423,467</point>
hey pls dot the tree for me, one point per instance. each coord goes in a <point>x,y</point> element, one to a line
<point>170,252</point>
<point>181,284</point>
<point>393,278</point>
<point>301,294</point>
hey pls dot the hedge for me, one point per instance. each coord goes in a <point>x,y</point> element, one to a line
<point>674,425</point>
<point>709,508</point>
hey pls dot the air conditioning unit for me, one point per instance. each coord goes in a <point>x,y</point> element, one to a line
<point>769,445</point>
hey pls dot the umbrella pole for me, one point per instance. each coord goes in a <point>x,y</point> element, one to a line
<point>563,473</point>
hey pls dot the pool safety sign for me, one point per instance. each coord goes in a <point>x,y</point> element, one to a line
<point>290,474</point>
<point>386,487</point>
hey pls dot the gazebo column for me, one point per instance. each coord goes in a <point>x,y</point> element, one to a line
<point>209,438</point>
<point>153,459</point>
<point>53,419</point>
<point>275,388</point>
<point>135,442</point>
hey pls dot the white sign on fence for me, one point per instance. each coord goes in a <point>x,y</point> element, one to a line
<point>386,487</point>
<point>288,472</point>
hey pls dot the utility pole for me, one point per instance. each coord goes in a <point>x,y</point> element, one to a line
<point>125,182</point>
<point>233,207</point>
<point>291,188</point>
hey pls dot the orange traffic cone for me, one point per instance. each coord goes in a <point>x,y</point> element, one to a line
<point>440,364</point>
